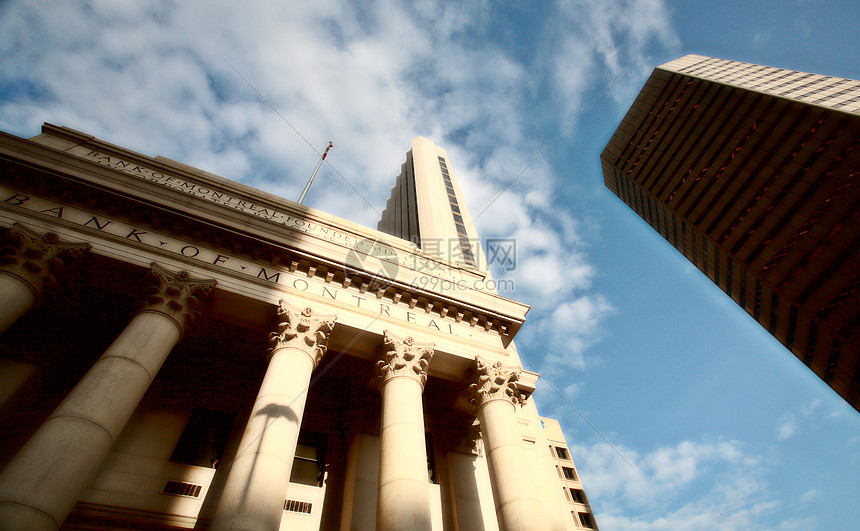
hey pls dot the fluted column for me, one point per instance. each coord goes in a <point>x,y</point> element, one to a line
<point>494,395</point>
<point>256,486</point>
<point>41,484</point>
<point>29,262</point>
<point>403,500</point>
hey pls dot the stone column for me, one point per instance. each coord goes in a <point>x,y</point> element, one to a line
<point>403,500</point>
<point>494,395</point>
<point>41,485</point>
<point>256,486</point>
<point>29,262</point>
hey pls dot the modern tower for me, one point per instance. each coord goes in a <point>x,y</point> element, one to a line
<point>181,351</point>
<point>752,173</point>
<point>427,208</point>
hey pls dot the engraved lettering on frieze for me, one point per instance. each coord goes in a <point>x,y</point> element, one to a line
<point>370,248</point>
<point>301,329</point>
<point>494,382</point>
<point>122,230</point>
<point>35,258</point>
<point>176,295</point>
<point>403,358</point>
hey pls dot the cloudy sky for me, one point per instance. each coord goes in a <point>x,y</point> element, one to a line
<point>719,427</point>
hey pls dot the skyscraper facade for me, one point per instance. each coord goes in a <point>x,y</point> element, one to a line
<point>751,172</point>
<point>427,207</point>
<point>178,351</point>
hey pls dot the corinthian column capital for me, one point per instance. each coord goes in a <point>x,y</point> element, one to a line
<point>36,258</point>
<point>301,329</point>
<point>403,358</point>
<point>494,382</point>
<point>176,295</point>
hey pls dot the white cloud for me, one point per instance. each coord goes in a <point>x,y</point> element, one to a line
<point>709,484</point>
<point>786,428</point>
<point>608,35</point>
<point>810,496</point>
<point>790,423</point>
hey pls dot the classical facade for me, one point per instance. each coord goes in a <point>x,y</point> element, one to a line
<point>182,351</point>
<point>751,172</point>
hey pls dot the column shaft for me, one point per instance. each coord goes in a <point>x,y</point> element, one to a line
<point>256,487</point>
<point>41,484</point>
<point>18,298</point>
<point>517,506</point>
<point>404,497</point>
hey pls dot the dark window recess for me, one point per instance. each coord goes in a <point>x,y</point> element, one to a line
<point>309,462</point>
<point>811,341</point>
<point>458,217</point>
<point>717,265</point>
<point>431,459</point>
<point>296,506</point>
<point>774,306</point>
<point>455,208</point>
<point>742,295</point>
<point>562,453</point>
<point>675,230</point>
<point>757,300</point>
<point>833,360</point>
<point>792,327</point>
<point>180,488</point>
<point>586,520</point>
<point>693,252</point>
<point>203,440</point>
<point>684,237</point>
<point>729,275</point>
<point>569,473</point>
<point>577,495</point>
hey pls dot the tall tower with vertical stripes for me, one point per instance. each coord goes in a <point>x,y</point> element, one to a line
<point>427,207</point>
<point>752,173</point>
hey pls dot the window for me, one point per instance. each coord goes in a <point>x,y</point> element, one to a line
<point>431,459</point>
<point>203,440</point>
<point>309,462</point>
<point>577,495</point>
<point>569,473</point>
<point>586,520</point>
<point>562,453</point>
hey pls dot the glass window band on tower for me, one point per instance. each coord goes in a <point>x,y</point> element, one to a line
<point>465,245</point>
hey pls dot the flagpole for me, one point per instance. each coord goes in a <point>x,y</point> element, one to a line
<point>314,174</point>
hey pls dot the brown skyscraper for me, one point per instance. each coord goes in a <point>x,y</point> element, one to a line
<point>752,173</point>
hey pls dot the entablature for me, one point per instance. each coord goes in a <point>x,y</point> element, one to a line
<point>327,249</point>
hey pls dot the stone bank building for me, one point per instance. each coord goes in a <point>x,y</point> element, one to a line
<point>180,351</point>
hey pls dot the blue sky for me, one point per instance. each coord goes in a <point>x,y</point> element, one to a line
<point>722,428</point>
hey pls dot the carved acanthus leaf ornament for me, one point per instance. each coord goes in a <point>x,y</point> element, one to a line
<point>494,382</point>
<point>176,294</point>
<point>403,358</point>
<point>301,329</point>
<point>36,258</point>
